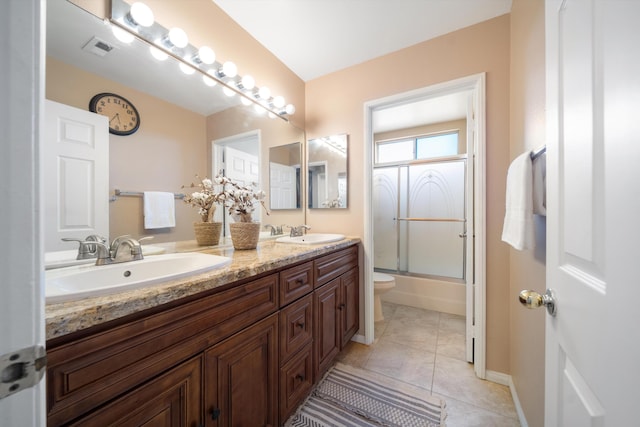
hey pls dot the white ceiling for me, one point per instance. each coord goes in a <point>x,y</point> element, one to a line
<point>440,109</point>
<point>317,37</point>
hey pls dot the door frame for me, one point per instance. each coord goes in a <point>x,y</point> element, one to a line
<point>22,314</point>
<point>476,161</point>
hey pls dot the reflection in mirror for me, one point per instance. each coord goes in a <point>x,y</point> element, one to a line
<point>327,172</point>
<point>180,117</point>
<point>285,177</point>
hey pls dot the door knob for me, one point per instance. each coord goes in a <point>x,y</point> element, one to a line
<point>532,299</point>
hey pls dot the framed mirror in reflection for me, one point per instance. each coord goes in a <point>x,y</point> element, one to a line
<point>327,176</point>
<point>285,179</point>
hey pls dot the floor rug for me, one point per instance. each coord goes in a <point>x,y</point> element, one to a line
<point>348,396</point>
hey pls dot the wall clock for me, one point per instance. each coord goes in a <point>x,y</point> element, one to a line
<point>124,119</point>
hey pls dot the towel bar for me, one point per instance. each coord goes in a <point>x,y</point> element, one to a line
<point>119,193</point>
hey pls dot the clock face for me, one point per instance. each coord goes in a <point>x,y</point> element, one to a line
<point>123,116</point>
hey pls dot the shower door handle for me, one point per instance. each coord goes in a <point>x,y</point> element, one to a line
<point>462,235</point>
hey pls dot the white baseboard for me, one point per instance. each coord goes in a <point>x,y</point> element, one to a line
<point>504,379</point>
<point>358,338</point>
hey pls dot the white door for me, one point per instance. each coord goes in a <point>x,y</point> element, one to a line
<point>282,186</point>
<point>593,120</point>
<point>243,168</point>
<point>75,160</point>
<point>21,278</point>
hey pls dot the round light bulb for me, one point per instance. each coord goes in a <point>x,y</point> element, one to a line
<point>290,109</point>
<point>178,37</point>
<point>206,55</point>
<point>264,92</point>
<point>141,14</point>
<point>122,35</point>
<point>229,69</point>
<point>271,115</point>
<point>278,102</point>
<point>245,101</point>
<point>186,69</point>
<point>228,92</point>
<point>248,82</point>
<point>157,53</point>
<point>209,81</point>
<point>259,108</point>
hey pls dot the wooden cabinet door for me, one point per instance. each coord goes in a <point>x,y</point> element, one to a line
<point>241,378</point>
<point>171,400</point>
<point>349,305</point>
<point>327,326</point>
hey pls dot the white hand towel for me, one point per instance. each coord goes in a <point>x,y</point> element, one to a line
<point>518,219</point>
<point>540,185</point>
<point>159,209</point>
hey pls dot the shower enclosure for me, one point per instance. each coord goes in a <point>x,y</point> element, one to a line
<point>419,218</point>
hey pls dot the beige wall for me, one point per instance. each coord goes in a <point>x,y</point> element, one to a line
<point>335,104</point>
<point>527,269</point>
<point>164,154</point>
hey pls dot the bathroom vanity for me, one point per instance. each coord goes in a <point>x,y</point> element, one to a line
<point>241,346</point>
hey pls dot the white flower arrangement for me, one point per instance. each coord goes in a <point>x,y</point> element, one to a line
<point>239,200</point>
<point>204,199</point>
<point>335,203</point>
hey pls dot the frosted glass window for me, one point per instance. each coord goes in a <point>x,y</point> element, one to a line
<point>396,151</point>
<point>442,145</point>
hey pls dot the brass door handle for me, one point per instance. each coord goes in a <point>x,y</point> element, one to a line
<point>532,299</point>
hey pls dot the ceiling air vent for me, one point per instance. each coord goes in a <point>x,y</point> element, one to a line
<point>98,47</point>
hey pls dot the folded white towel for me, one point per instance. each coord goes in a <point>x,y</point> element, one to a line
<point>540,185</point>
<point>159,209</point>
<point>518,219</point>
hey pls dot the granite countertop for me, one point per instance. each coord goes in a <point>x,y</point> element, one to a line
<point>67,317</point>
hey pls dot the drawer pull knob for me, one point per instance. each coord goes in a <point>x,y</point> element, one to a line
<point>300,324</point>
<point>215,413</point>
<point>300,377</point>
<point>341,306</point>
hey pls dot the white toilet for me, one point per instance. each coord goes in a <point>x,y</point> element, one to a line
<point>381,283</point>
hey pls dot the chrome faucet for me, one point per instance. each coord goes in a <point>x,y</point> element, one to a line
<point>298,231</point>
<point>275,230</point>
<point>113,254</point>
<point>87,248</point>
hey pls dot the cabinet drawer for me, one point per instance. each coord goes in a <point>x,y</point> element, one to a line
<point>330,266</point>
<point>296,327</point>
<point>172,399</point>
<point>296,381</point>
<point>92,370</point>
<point>295,282</point>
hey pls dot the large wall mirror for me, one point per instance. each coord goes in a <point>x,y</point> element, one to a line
<point>181,116</point>
<point>285,176</point>
<point>327,172</point>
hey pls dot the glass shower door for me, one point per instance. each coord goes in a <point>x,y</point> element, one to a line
<point>436,219</point>
<point>385,199</point>
<point>419,218</point>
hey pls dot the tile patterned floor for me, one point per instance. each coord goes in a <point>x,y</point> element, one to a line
<point>427,349</point>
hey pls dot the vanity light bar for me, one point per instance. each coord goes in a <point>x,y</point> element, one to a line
<point>191,57</point>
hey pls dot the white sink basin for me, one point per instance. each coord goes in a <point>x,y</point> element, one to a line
<point>61,259</point>
<point>311,239</point>
<point>72,283</point>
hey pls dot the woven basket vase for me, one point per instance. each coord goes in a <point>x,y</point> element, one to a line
<point>207,233</point>
<point>245,235</point>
